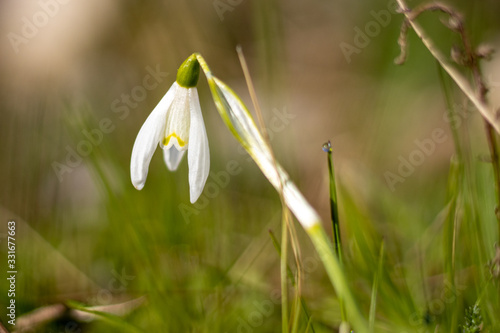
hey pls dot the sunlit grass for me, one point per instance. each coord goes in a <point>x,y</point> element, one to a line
<point>421,258</point>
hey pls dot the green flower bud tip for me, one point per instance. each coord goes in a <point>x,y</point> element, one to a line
<point>188,73</point>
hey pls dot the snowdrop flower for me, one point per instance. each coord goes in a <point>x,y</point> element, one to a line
<point>176,125</point>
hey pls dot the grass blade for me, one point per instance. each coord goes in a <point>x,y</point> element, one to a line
<point>378,275</point>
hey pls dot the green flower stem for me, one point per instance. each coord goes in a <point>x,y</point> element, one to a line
<point>239,121</point>
<point>337,277</point>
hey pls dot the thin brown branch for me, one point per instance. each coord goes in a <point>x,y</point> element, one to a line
<point>118,309</point>
<point>46,314</point>
<point>441,7</point>
<point>3,329</point>
<point>472,61</point>
<point>40,317</point>
<point>403,42</point>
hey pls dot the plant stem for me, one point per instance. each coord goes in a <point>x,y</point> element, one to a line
<point>239,121</point>
<point>459,79</point>
<point>471,60</point>
<point>493,145</point>
<point>491,137</point>
<point>378,274</point>
<point>337,277</point>
<point>283,273</point>
<point>327,147</point>
<point>333,201</point>
<point>292,280</point>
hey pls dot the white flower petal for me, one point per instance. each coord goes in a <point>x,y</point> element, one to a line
<point>198,151</point>
<point>172,157</point>
<point>149,137</point>
<point>178,121</point>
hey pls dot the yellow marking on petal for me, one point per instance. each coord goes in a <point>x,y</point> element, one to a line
<point>173,135</point>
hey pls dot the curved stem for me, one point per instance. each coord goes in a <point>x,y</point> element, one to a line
<point>479,98</point>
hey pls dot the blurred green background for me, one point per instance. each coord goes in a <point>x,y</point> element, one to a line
<point>85,233</point>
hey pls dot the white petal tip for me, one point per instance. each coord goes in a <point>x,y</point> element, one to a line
<point>172,168</point>
<point>194,198</point>
<point>172,157</point>
<point>138,186</point>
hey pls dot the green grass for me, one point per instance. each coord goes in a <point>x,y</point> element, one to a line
<point>417,259</point>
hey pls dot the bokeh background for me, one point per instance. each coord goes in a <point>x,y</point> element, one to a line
<point>85,233</point>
